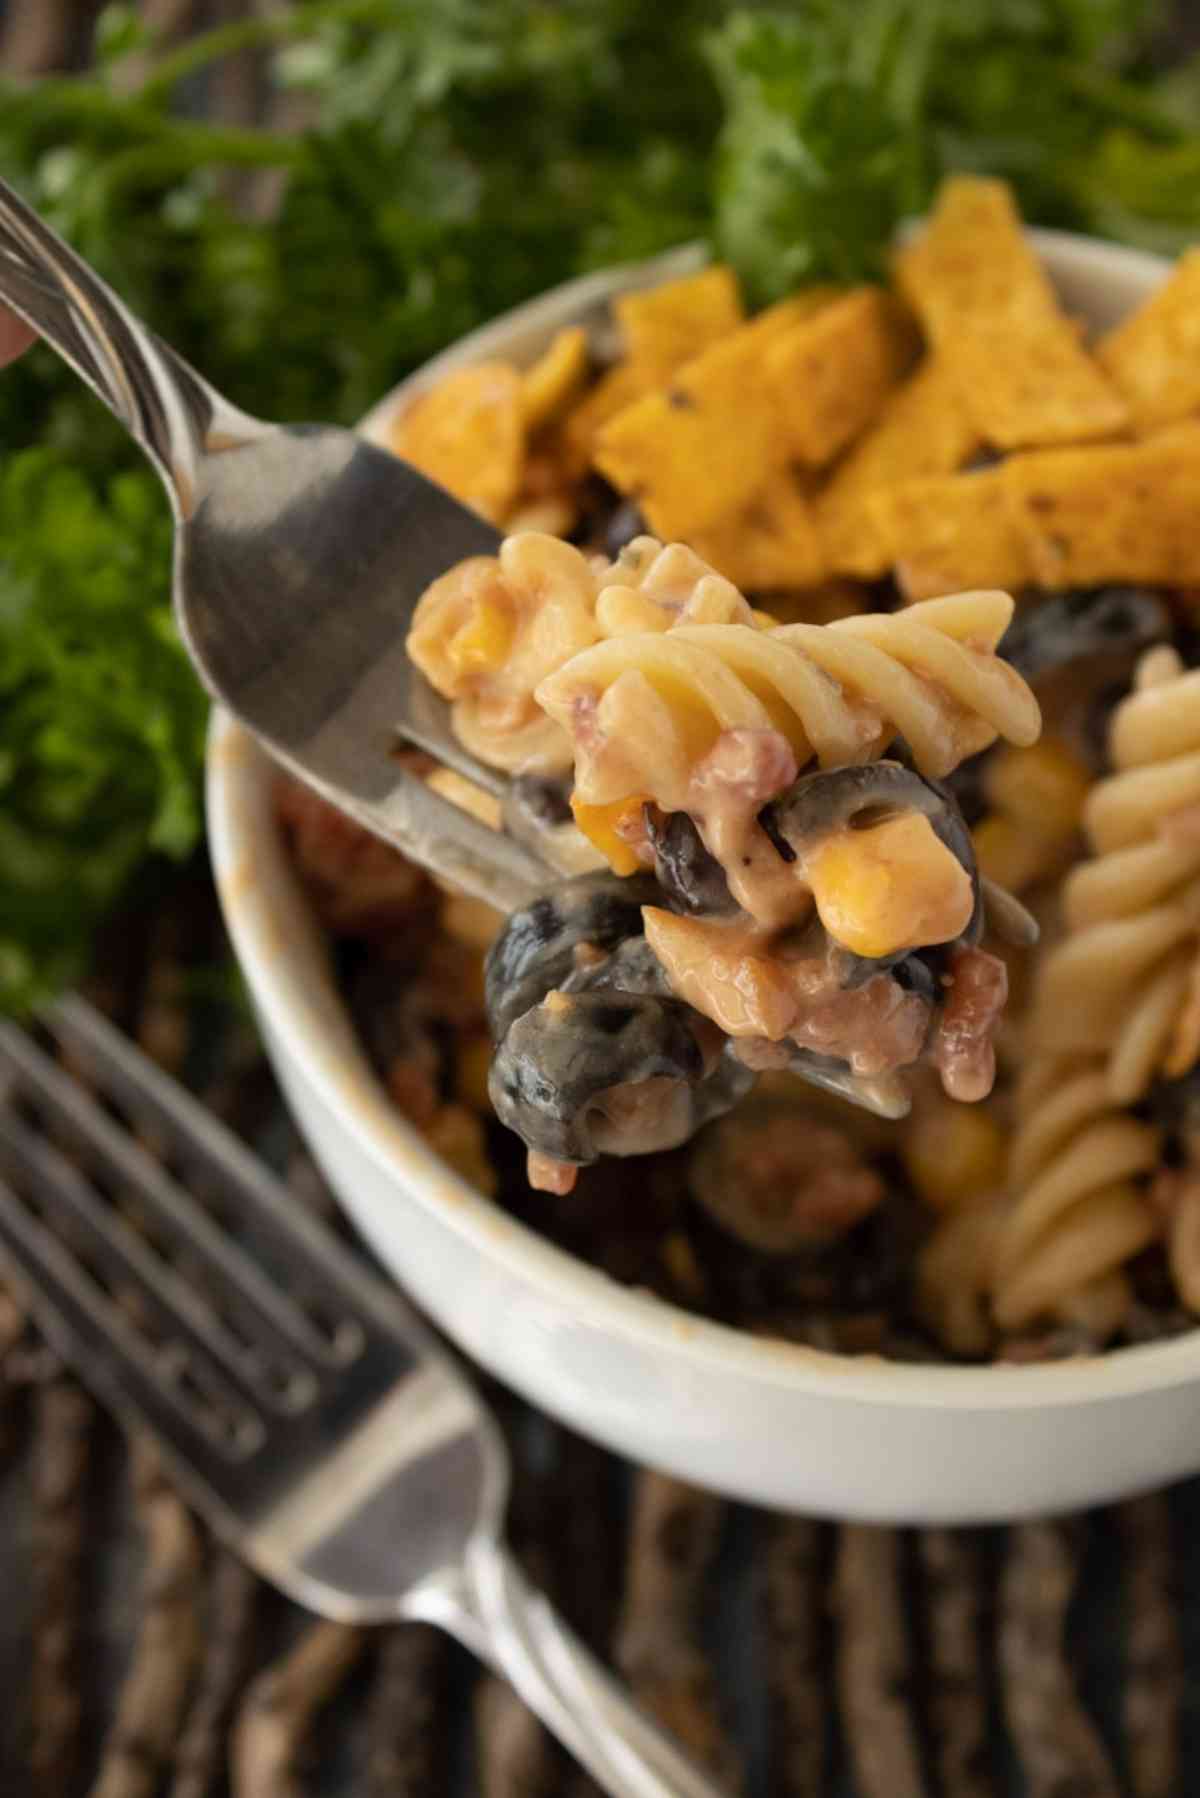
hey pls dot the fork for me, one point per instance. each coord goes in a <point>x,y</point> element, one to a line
<point>300,554</point>
<point>299,1404</point>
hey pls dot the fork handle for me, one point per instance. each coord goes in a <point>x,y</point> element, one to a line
<point>167,408</point>
<point>511,1626</point>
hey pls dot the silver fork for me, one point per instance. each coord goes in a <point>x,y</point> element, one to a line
<point>300,1405</point>
<point>300,554</point>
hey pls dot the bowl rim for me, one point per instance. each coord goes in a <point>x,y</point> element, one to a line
<point>287,989</point>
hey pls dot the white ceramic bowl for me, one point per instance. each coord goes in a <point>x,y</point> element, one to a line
<point>773,1423</point>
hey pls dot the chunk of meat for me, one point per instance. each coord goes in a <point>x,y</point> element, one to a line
<point>962,1049</point>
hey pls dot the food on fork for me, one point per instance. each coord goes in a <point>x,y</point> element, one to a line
<point>830,914</point>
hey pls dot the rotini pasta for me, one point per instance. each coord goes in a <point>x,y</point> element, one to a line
<point>1078,1211</point>
<point>1126,979</point>
<point>1115,1005</point>
<point>839,693</point>
<point>492,628</point>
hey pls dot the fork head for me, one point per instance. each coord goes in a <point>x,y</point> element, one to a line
<point>297,574</point>
<point>300,556</point>
<point>301,1407</point>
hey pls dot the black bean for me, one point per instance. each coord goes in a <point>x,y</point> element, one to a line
<point>692,879</point>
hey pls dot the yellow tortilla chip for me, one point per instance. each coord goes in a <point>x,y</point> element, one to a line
<point>616,390</point>
<point>697,449</point>
<point>1116,512</point>
<point>554,379</point>
<point>951,533</point>
<point>700,448</point>
<point>468,433</point>
<point>771,542</point>
<point>833,371</point>
<point>923,430</point>
<point>987,305</point>
<point>775,321</point>
<point>1154,357</point>
<point>667,326</point>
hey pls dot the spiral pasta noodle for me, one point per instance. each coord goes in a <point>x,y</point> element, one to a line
<point>1077,1214</point>
<point>488,631</point>
<point>1125,979</point>
<point>644,709</point>
<point>1115,1006</point>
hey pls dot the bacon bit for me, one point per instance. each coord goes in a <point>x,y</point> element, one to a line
<point>749,765</point>
<point>729,787</point>
<point>962,1046</point>
<point>545,1174</point>
<point>874,1028</point>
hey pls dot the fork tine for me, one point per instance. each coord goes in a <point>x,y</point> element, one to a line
<point>177,1215</point>
<point>86,1326</point>
<point>144,1092</point>
<point>118,1257</point>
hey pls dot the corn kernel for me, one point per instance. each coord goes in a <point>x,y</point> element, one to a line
<point>456,1134</point>
<point>1010,853</point>
<point>473,1058</point>
<point>892,886</point>
<point>599,825</point>
<point>953,1153</point>
<point>483,643</point>
<point>1043,786</point>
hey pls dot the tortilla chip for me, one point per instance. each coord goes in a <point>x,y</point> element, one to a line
<point>667,326</point>
<point>468,433</point>
<point>1117,512</point>
<point>833,371</point>
<point>1154,357</point>
<point>700,448</point>
<point>951,533</point>
<point>554,379</point>
<point>697,449</point>
<point>613,393</point>
<point>775,321</point>
<point>771,542</point>
<point>923,430</point>
<point>662,335</point>
<point>987,304</point>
